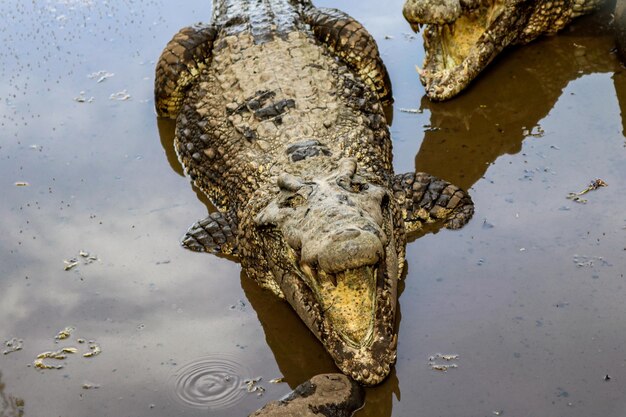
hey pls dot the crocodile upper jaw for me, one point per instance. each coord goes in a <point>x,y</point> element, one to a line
<point>459,48</point>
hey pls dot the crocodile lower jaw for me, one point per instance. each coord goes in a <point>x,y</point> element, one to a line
<point>361,340</point>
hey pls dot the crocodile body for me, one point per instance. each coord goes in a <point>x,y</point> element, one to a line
<point>279,120</point>
<point>461,37</point>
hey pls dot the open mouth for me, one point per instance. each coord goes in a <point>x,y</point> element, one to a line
<point>456,51</point>
<point>348,301</point>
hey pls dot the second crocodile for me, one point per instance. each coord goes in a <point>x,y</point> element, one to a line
<point>461,37</point>
<point>279,120</point>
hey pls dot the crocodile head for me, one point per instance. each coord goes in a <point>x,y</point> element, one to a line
<point>461,37</point>
<point>330,239</point>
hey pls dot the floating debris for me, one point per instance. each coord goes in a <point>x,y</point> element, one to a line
<point>412,111</point>
<point>95,350</point>
<point>90,385</point>
<point>449,357</point>
<point>65,333</point>
<point>588,262</point>
<point>442,367</point>
<point>431,128</point>
<point>120,96</point>
<point>82,99</point>
<point>87,259</point>
<point>21,184</point>
<point>498,413</point>
<point>594,185</point>
<point>252,386</point>
<point>57,355</point>
<point>13,345</point>
<point>443,356</point>
<point>70,264</point>
<point>100,75</point>
<point>277,380</point>
<point>536,132</point>
<point>39,364</point>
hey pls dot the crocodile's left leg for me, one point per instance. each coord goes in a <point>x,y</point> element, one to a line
<point>424,198</point>
<point>351,42</point>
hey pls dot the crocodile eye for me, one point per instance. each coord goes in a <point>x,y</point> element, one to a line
<point>293,201</point>
<point>352,185</point>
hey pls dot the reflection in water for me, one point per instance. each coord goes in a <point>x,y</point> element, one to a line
<point>167,130</point>
<point>10,406</point>
<point>507,103</point>
<point>213,382</point>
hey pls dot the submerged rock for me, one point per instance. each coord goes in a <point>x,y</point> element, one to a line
<point>327,395</point>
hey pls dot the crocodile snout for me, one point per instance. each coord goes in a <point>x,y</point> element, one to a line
<point>342,250</point>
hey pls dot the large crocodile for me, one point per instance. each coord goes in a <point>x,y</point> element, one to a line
<point>461,37</point>
<point>279,121</point>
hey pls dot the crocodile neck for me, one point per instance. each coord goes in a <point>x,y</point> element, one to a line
<point>264,19</point>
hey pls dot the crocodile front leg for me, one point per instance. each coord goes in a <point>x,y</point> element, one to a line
<point>180,63</point>
<point>426,199</point>
<point>351,42</point>
<point>213,234</point>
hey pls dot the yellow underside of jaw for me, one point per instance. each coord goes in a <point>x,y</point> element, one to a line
<point>349,303</point>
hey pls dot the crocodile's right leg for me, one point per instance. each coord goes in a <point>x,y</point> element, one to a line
<point>180,63</point>
<point>427,199</point>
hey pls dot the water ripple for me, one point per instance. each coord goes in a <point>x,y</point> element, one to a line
<point>213,382</point>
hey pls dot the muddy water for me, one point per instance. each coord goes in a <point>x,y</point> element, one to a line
<point>529,295</point>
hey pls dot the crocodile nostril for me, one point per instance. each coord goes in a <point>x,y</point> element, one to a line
<point>371,229</point>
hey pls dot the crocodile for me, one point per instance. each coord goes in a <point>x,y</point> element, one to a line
<point>461,37</point>
<point>279,112</point>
